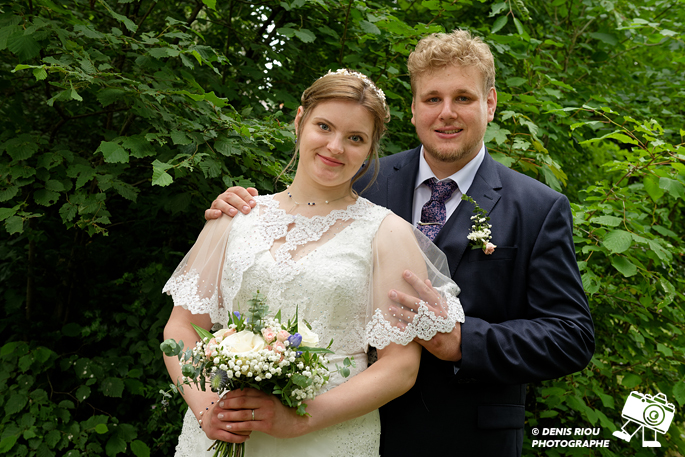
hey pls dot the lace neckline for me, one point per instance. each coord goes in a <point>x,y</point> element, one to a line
<point>270,204</point>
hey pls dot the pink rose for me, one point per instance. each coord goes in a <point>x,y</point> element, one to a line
<point>268,334</point>
<point>489,248</point>
<point>282,335</point>
<point>210,347</point>
<point>224,332</point>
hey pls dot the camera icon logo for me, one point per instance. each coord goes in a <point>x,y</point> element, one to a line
<point>646,411</point>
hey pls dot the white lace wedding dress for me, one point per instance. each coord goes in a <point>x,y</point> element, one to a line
<point>325,268</point>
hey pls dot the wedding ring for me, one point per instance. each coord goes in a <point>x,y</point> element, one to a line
<point>253,414</point>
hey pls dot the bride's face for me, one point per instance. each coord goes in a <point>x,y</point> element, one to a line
<point>334,141</point>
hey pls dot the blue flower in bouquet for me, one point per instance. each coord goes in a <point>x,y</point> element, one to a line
<point>236,314</point>
<point>295,340</point>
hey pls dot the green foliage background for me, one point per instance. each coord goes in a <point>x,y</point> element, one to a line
<point>121,120</point>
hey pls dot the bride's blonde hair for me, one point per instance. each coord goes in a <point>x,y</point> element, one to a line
<point>348,85</point>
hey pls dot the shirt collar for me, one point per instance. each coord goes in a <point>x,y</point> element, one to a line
<point>464,177</point>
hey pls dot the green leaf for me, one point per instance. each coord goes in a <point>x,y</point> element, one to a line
<point>616,135</point>
<point>112,387</point>
<point>286,31</point>
<point>669,291</point>
<point>368,27</point>
<point>673,187</point>
<point>82,393</point>
<point>218,102</point>
<point>54,185</point>
<point>140,449</point>
<point>302,381</point>
<point>607,400</point>
<point>170,348</point>
<point>15,403</point>
<point>179,137</point>
<point>494,132</point>
<point>651,184</point>
<point>73,95</point>
<point>227,147</point>
<point>159,175</point>
<point>139,146</point>
<point>617,241</point>
<point>591,282</point>
<point>129,24</point>
<point>307,36</point>
<point>608,38</point>
<point>202,333</point>
<point>515,82</point>
<point>664,350</point>
<point>114,446</point>
<point>497,8</point>
<point>7,443</point>
<point>25,47</point>
<point>611,221</point>
<point>113,152</point>
<point>8,193</point>
<point>631,380</point>
<point>45,197</point>
<point>623,265</point>
<point>212,5</point>
<point>125,190</point>
<point>662,253</point>
<point>499,23</point>
<point>52,438</point>
<point>14,224</point>
<point>679,392</point>
<point>21,147</point>
<point>108,96</point>
<point>8,30</point>
<point>40,73</point>
<point>7,212</point>
<point>519,27</point>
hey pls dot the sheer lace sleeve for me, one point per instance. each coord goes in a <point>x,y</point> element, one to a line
<point>398,247</point>
<point>195,285</point>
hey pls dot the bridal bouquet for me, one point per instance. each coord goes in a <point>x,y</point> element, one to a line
<point>258,352</point>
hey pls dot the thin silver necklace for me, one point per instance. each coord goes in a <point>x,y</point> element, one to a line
<point>327,202</point>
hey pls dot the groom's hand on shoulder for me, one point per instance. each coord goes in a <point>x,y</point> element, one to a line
<point>445,346</point>
<point>233,199</point>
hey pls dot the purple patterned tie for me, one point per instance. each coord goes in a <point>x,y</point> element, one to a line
<point>433,213</point>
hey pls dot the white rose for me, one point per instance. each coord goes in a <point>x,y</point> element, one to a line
<point>309,338</point>
<point>242,343</point>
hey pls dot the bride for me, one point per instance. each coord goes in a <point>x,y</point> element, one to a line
<point>319,247</point>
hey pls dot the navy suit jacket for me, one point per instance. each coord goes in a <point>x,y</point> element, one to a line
<point>527,316</point>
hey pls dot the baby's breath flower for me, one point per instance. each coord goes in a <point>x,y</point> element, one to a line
<point>480,235</point>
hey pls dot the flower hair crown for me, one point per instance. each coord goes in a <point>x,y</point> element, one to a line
<point>363,77</point>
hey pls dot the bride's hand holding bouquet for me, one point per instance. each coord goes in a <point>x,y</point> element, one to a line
<point>258,355</point>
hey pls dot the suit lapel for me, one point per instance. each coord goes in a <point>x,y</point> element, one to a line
<point>401,185</point>
<point>484,190</point>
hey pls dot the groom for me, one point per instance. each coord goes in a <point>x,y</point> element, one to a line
<point>527,317</point>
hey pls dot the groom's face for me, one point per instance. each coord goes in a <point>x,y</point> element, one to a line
<point>451,111</point>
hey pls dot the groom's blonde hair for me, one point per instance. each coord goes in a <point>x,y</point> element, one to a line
<point>439,50</point>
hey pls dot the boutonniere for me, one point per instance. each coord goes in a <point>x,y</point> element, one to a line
<point>480,234</point>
